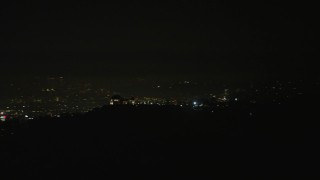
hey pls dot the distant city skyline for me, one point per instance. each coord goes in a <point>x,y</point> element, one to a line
<point>59,95</point>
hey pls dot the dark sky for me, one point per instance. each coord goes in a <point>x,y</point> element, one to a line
<point>160,39</point>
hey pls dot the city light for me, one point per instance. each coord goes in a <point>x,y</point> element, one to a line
<point>3,118</point>
<point>68,98</point>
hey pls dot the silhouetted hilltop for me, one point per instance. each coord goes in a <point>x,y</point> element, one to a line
<point>167,141</point>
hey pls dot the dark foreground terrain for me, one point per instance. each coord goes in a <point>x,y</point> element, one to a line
<point>151,142</point>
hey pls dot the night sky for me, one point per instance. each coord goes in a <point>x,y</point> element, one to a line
<point>158,40</point>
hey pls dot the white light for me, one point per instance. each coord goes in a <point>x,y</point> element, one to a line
<point>3,118</point>
<point>26,116</point>
<point>236,99</point>
<point>194,103</point>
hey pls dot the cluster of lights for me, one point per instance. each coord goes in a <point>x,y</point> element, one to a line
<point>3,117</point>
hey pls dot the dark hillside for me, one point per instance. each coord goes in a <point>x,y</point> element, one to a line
<point>155,142</point>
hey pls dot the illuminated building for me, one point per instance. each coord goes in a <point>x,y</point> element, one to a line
<point>116,100</point>
<point>3,117</point>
